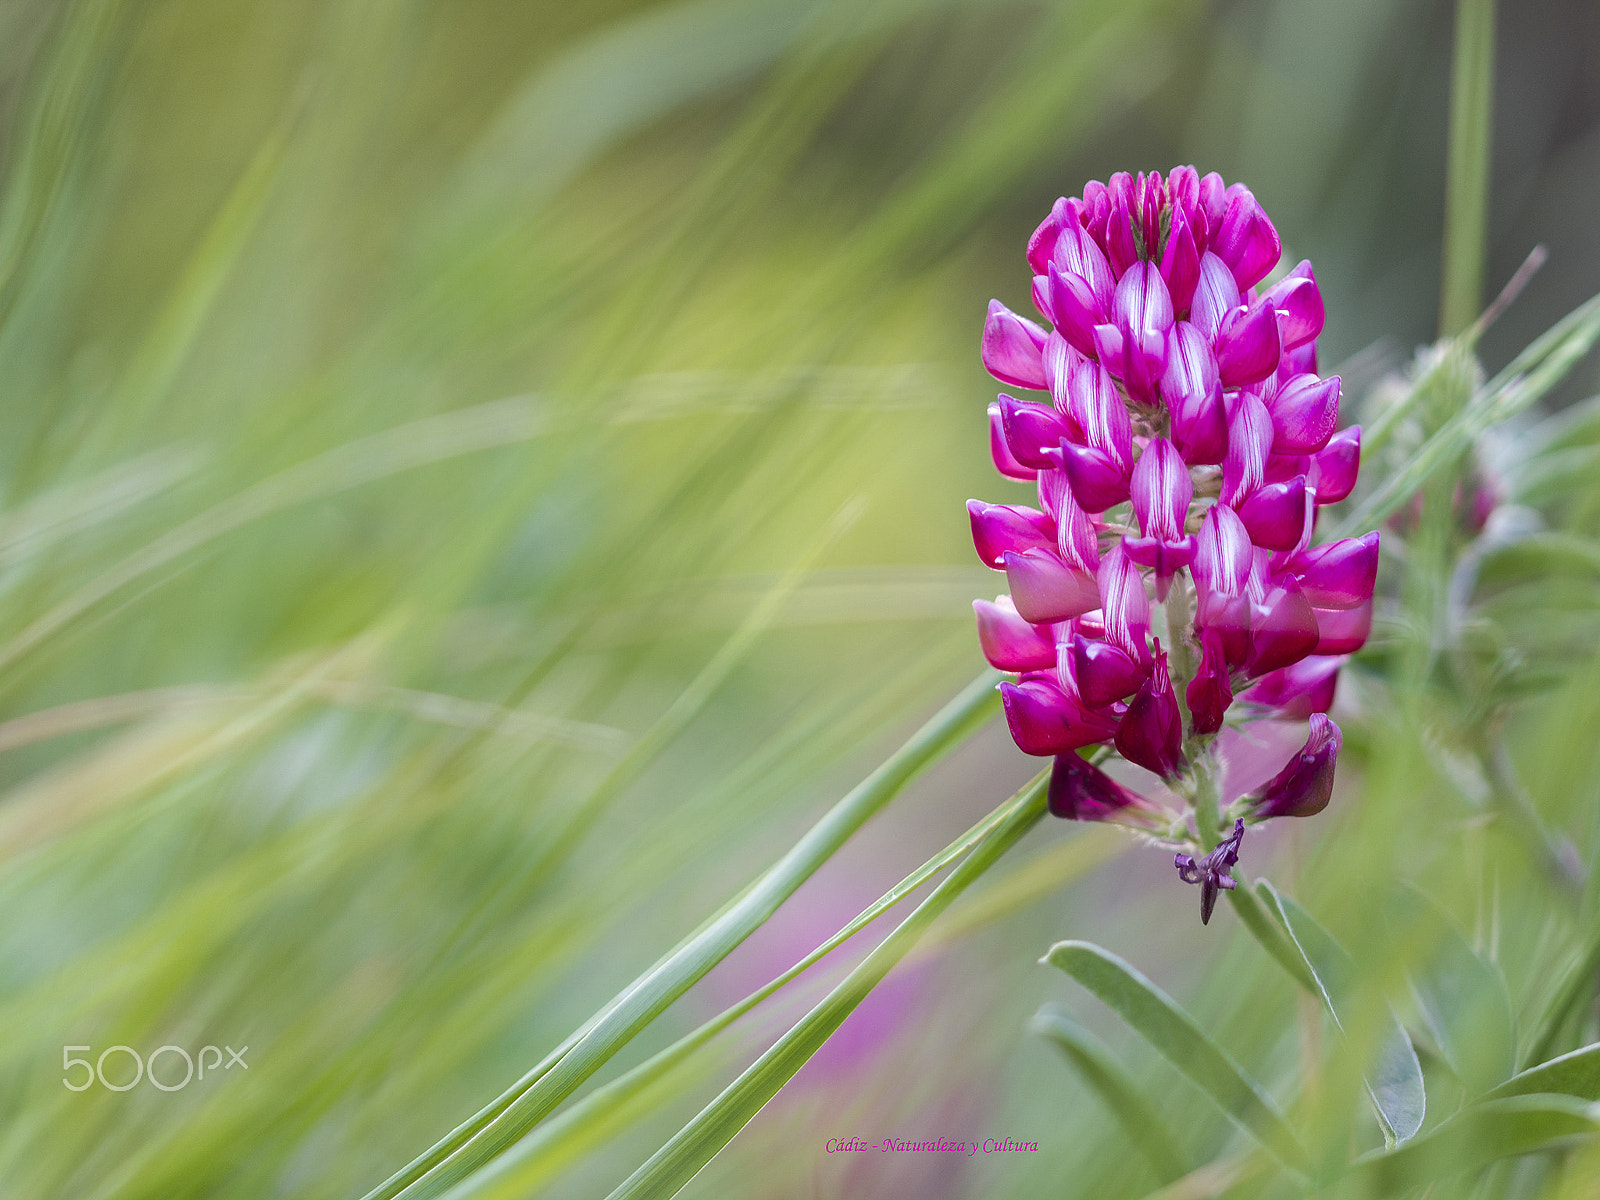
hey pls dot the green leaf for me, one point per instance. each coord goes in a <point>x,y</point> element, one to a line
<point>1462,998</point>
<point>1140,1120</point>
<point>540,1090</point>
<point>693,1146</point>
<point>1157,1018</point>
<point>1394,1079</point>
<point>1574,1074</point>
<point>1481,1135</point>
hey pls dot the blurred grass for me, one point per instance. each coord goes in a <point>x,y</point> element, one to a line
<point>405,402</point>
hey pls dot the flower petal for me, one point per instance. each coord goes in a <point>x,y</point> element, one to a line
<point>1077,254</point>
<point>1210,692</point>
<point>1304,413</point>
<point>1102,673</point>
<point>1297,300</point>
<point>1045,589</point>
<point>1247,345</point>
<point>1081,791</point>
<point>1334,467</point>
<point>1299,690</point>
<point>1001,453</point>
<point>1245,239</point>
<point>1009,642</point>
<point>1276,513</point>
<point>1151,731</point>
<point>1339,574</point>
<point>1249,441</point>
<point>1001,529</point>
<point>1012,348</point>
<point>1304,786</point>
<point>1045,719</point>
<point>1029,429</point>
<point>1343,631</point>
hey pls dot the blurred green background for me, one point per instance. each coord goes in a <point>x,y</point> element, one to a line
<point>405,402</point>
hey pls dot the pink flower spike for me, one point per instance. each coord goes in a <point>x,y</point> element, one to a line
<point>1009,642</point>
<point>1102,673</point>
<point>1304,413</point>
<point>1299,690</point>
<point>1297,300</point>
<point>1125,606</point>
<point>1001,453</point>
<point>1045,719</point>
<point>1245,239</point>
<point>1335,466</point>
<point>1001,529</point>
<point>1343,631</point>
<point>1045,589</point>
<point>1012,348</point>
<point>1275,514</point>
<point>1247,345</point>
<point>1210,691</point>
<point>1305,785</point>
<point>1030,428</point>
<point>1339,574</point>
<point>1075,310</point>
<point>1081,791</point>
<point>1249,441</point>
<point>1151,731</point>
<point>1076,254</point>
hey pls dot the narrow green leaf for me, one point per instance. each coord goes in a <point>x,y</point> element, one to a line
<point>1574,1074</point>
<point>1483,1134</point>
<point>1141,1121</point>
<point>699,1141</point>
<point>1158,1018</point>
<point>537,1093</point>
<point>1394,1078</point>
<point>1466,209</point>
